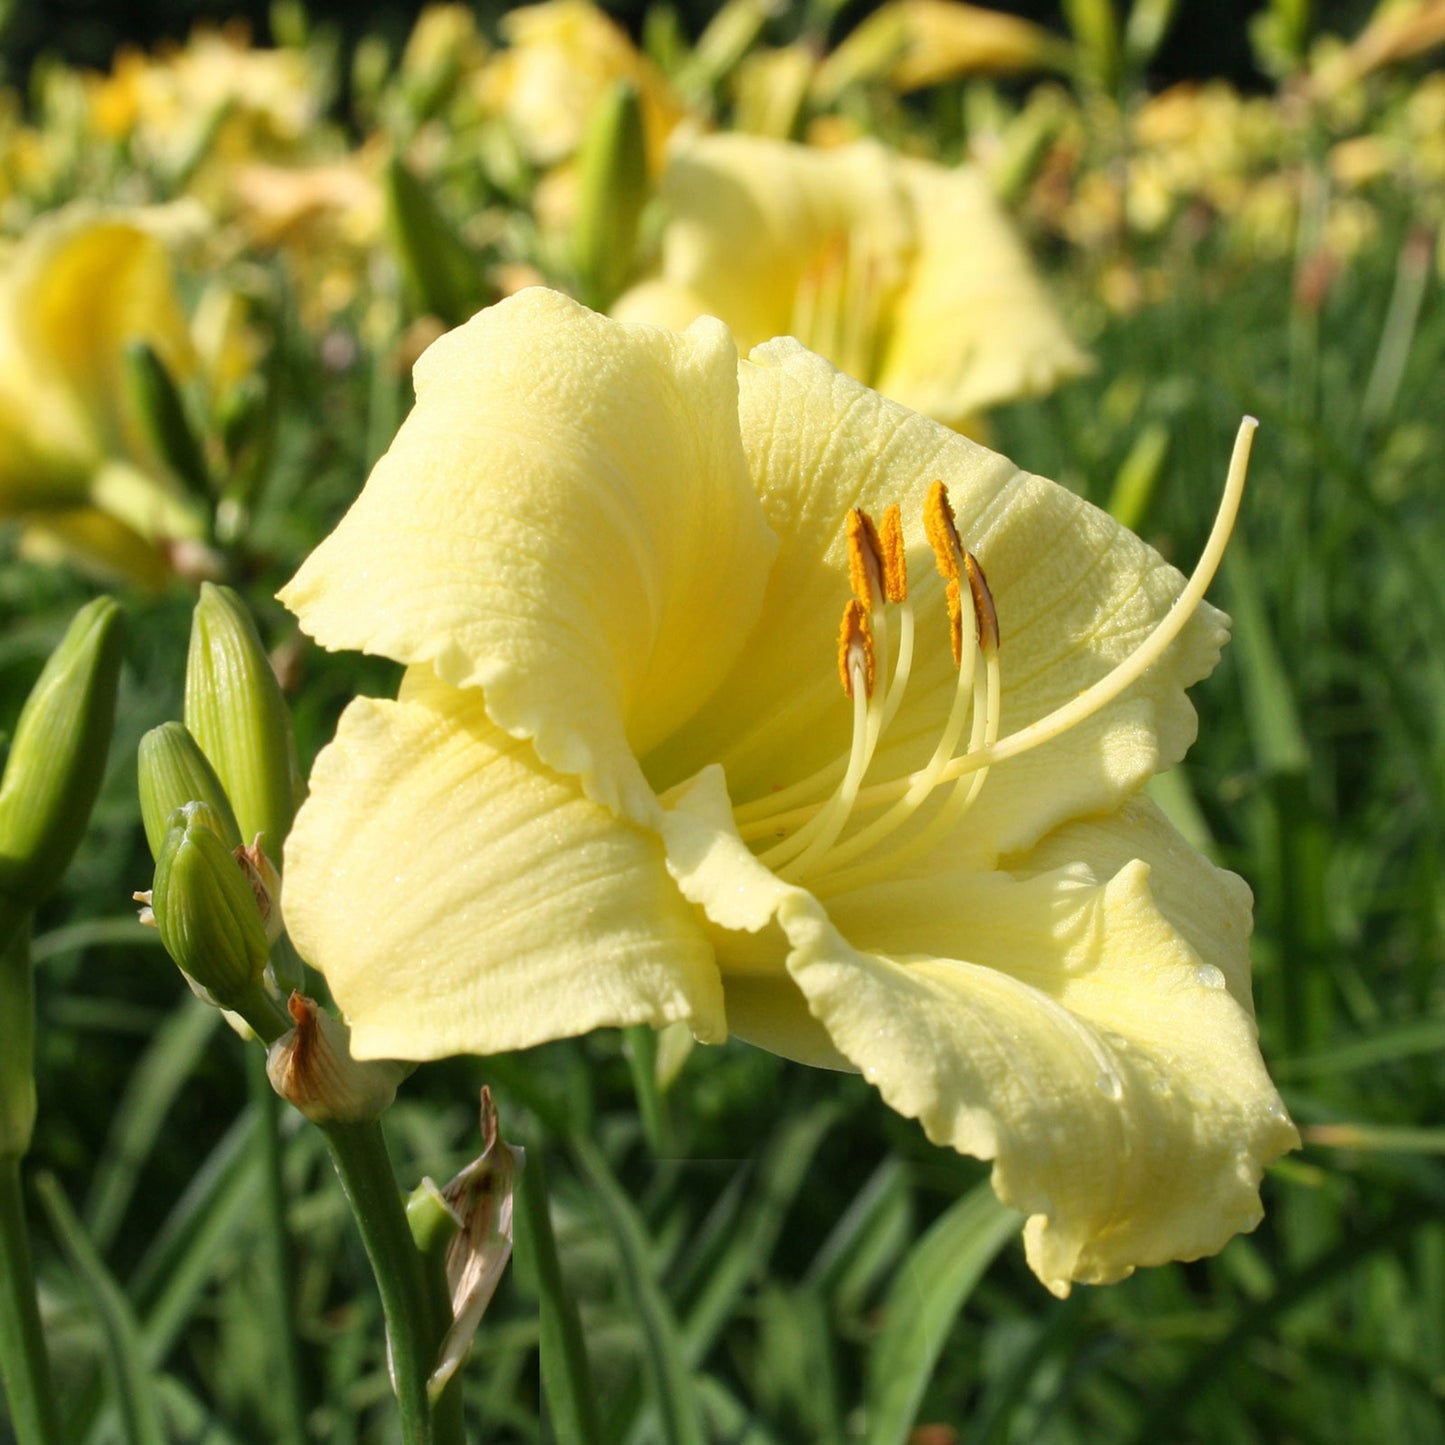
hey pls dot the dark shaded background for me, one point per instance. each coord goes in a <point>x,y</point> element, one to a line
<point>1208,37</point>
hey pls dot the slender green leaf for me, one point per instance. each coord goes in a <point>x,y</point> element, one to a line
<point>674,1394</point>
<point>933,1285</point>
<point>141,1112</point>
<point>780,1177</point>
<point>566,1376</point>
<point>132,1374</point>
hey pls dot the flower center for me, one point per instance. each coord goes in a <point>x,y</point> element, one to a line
<point>835,833</point>
<point>843,299</point>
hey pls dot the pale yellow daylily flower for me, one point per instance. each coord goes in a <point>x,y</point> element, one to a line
<point>562,58</point>
<point>618,785</point>
<point>75,467</point>
<point>215,100</point>
<point>903,273</point>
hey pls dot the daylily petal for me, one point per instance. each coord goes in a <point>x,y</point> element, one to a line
<point>741,900</point>
<point>906,274</point>
<point>565,519</point>
<point>84,286</point>
<point>95,541</point>
<point>752,218</point>
<point>562,57</point>
<point>974,326</point>
<point>1060,1025</point>
<point>459,896</point>
<point>659,302</point>
<point>1075,593</point>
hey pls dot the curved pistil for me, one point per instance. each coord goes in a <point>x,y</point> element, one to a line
<point>815,847</point>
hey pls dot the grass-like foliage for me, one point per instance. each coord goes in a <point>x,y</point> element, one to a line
<point>758,1252</point>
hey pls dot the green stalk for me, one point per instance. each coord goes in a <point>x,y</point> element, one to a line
<point>290,1408</point>
<point>23,1361</point>
<point>414,1316</point>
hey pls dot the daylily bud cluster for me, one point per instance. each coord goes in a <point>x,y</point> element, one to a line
<point>217,794</point>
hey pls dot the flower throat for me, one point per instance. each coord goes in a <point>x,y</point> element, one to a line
<point>834,833</point>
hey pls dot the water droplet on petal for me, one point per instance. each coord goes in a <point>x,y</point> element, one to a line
<point>1207,976</point>
<point>1110,1085</point>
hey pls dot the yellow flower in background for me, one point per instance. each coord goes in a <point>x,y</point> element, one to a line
<point>913,44</point>
<point>621,783</point>
<point>324,220</point>
<point>75,467</point>
<point>903,273</point>
<point>194,110</point>
<point>561,59</point>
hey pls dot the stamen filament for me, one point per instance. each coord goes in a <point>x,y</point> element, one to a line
<point>986,704</point>
<point>926,778</point>
<point>1108,687</point>
<point>834,813</point>
<point>985,748</point>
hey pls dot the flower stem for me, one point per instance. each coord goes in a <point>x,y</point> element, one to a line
<point>290,1410</point>
<point>416,1319</point>
<point>23,1361</point>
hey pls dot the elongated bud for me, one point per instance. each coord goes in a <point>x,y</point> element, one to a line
<point>158,406</point>
<point>727,38</point>
<point>311,1068</point>
<point>206,910</point>
<point>612,189</point>
<point>235,711</point>
<point>58,754</point>
<point>1096,34</point>
<point>441,272</point>
<point>172,771</point>
<point>1146,27</point>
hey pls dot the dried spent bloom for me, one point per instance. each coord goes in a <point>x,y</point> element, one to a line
<point>476,1208</point>
<point>622,785</point>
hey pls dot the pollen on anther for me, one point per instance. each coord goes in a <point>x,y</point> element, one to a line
<point>895,559</point>
<point>985,614</point>
<point>954,596</point>
<point>855,648</point>
<point>942,532</point>
<point>866,565</point>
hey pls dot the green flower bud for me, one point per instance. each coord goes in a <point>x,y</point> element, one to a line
<point>206,911</point>
<point>236,713</point>
<point>613,188</point>
<point>728,37</point>
<point>441,272</point>
<point>432,1221</point>
<point>311,1068</point>
<point>1095,27</point>
<point>172,771</point>
<point>158,406</point>
<point>58,755</point>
